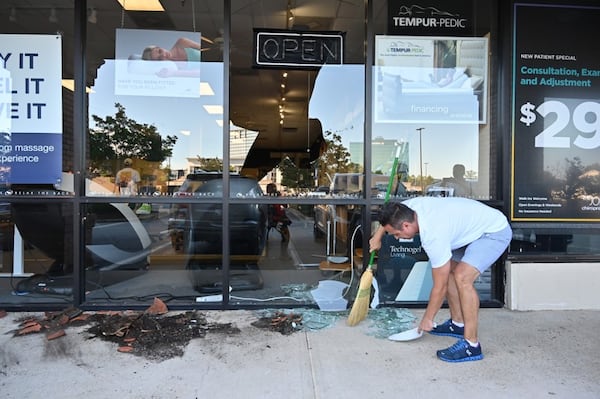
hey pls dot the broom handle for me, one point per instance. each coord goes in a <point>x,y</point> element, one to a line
<point>372,259</point>
<point>387,195</point>
<point>392,173</point>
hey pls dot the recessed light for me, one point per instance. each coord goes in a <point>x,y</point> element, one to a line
<point>141,5</point>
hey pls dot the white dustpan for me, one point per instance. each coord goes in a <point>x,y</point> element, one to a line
<point>408,335</point>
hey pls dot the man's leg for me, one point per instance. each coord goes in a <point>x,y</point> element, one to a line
<point>464,279</point>
<point>452,296</point>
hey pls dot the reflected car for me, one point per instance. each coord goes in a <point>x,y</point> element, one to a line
<point>196,229</point>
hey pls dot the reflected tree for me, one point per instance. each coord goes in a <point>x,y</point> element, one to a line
<point>294,177</point>
<point>335,159</point>
<point>572,183</point>
<point>118,137</point>
<point>210,164</point>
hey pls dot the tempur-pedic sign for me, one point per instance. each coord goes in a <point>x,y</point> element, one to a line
<point>431,17</point>
<point>297,49</point>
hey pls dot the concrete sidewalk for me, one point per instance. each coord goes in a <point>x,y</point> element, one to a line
<point>553,354</point>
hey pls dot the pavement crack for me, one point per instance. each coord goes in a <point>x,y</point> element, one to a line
<point>313,375</point>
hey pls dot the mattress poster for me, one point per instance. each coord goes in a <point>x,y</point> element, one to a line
<point>430,80</point>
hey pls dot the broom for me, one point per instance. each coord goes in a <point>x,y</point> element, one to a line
<point>360,307</point>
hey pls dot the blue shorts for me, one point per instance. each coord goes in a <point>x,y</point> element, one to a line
<point>483,252</point>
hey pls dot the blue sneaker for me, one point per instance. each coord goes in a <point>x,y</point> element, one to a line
<point>461,351</point>
<point>448,329</point>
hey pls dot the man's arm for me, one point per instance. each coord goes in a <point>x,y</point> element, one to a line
<point>375,241</point>
<point>438,294</point>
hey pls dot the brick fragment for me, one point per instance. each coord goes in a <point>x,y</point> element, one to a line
<point>55,334</point>
<point>37,327</point>
<point>125,349</point>
<point>158,307</point>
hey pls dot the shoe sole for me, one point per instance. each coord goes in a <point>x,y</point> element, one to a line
<point>446,334</point>
<point>464,359</point>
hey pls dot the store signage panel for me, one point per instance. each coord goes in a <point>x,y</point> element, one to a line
<point>430,18</point>
<point>431,79</point>
<point>296,49</point>
<point>137,74</point>
<point>31,118</point>
<point>556,115</point>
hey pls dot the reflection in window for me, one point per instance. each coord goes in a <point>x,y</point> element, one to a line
<point>431,93</point>
<point>156,99</point>
<point>538,241</point>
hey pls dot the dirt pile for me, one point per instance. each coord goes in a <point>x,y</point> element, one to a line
<point>151,334</point>
<point>280,322</point>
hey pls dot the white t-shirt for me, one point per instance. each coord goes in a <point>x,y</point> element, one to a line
<point>127,179</point>
<point>450,223</point>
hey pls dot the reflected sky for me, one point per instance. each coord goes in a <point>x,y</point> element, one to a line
<point>198,132</point>
<point>337,101</point>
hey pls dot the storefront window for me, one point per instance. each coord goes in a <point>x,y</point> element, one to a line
<point>155,105</point>
<point>431,120</point>
<point>431,91</point>
<point>36,264</point>
<point>297,110</point>
<point>155,123</point>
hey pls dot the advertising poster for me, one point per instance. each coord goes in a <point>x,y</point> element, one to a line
<point>556,114</point>
<point>30,109</point>
<point>157,63</point>
<point>430,80</point>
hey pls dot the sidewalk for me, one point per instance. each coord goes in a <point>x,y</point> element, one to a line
<point>542,354</point>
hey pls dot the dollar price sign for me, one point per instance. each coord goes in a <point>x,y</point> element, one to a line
<point>528,115</point>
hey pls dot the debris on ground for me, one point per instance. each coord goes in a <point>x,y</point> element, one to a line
<point>280,322</point>
<point>150,334</point>
<point>52,324</point>
<point>383,322</point>
<point>153,336</point>
<point>388,321</point>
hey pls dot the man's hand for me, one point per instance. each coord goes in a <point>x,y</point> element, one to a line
<point>426,325</point>
<point>374,244</point>
<point>375,241</point>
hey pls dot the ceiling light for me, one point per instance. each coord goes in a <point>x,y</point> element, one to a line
<point>290,19</point>
<point>13,15</point>
<point>53,18</point>
<point>92,16</point>
<point>206,90</point>
<point>141,5</point>
<point>69,84</point>
<point>213,109</point>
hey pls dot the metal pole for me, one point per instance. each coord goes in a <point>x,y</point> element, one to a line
<point>420,130</point>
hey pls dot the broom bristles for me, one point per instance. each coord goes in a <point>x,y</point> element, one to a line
<point>360,308</point>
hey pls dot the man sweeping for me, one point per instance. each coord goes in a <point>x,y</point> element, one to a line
<point>462,238</point>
